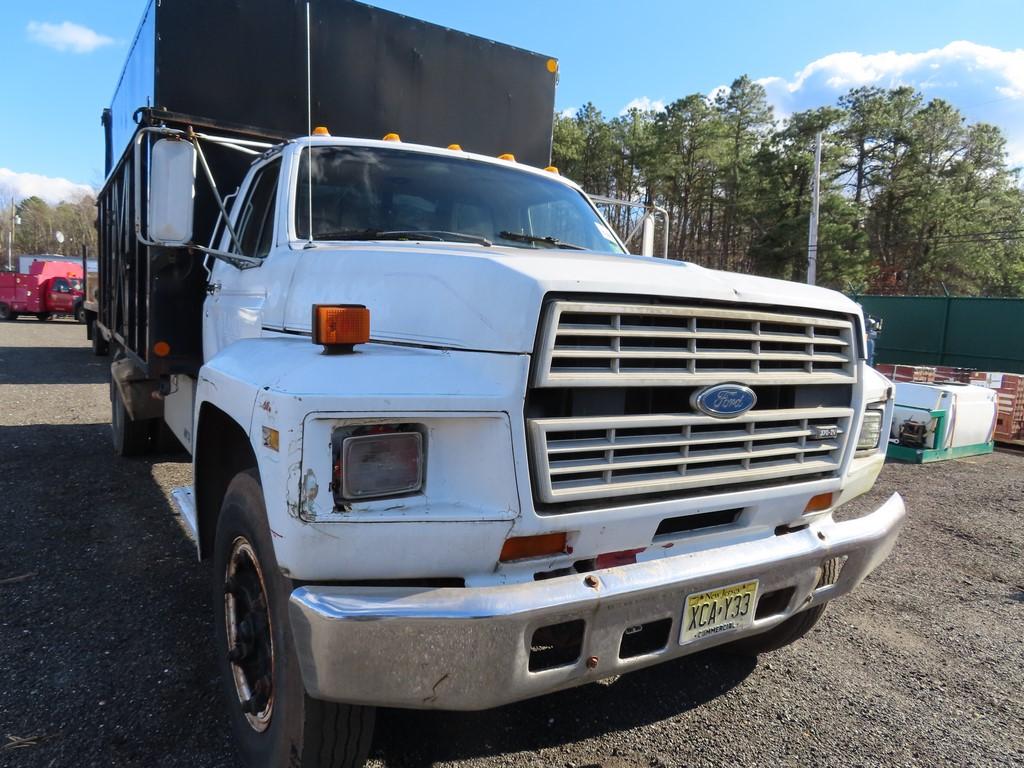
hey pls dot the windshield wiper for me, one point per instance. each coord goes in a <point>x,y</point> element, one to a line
<point>551,242</point>
<point>403,234</point>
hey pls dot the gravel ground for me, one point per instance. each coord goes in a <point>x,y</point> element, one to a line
<point>104,626</point>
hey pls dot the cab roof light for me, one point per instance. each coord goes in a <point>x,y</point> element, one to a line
<point>455,147</point>
<point>523,547</point>
<point>391,137</point>
<point>552,169</point>
<point>339,327</point>
<point>507,156</point>
<point>321,131</point>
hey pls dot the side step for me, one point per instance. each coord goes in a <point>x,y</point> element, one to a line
<point>186,504</point>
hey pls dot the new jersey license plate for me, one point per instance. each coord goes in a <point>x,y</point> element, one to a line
<point>723,609</point>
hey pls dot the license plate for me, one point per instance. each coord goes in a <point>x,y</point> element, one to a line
<point>723,609</point>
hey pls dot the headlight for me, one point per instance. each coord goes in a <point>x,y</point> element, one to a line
<point>870,429</point>
<point>369,462</point>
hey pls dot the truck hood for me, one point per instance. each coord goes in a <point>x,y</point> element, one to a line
<point>489,298</point>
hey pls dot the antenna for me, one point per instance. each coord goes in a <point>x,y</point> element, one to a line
<point>309,124</point>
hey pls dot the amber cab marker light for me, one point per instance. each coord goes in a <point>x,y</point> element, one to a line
<point>161,349</point>
<point>552,169</point>
<point>391,137</point>
<point>522,547</point>
<point>507,156</point>
<point>819,503</point>
<point>339,327</point>
<point>321,131</point>
<point>455,147</point>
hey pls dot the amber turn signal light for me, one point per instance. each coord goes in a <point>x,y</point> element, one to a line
<point>819,503</point>
<point>339,327</point>
<point>522,547</point>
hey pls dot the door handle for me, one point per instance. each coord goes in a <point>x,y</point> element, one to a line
<point>212,288</point>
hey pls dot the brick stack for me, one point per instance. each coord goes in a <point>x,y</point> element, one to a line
<point>1010,403</point>
<point>947,374</point>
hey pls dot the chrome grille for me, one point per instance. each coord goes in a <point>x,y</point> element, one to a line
<point>598,344</point>
<point>591,457</point>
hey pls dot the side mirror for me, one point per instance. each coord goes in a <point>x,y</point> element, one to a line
<point>172,191</point>
<point>647,239</point>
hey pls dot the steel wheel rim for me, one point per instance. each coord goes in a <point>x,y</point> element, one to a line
<point>250,640</point>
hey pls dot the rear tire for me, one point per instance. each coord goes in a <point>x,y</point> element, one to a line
<point>279,724</point>
<point>100,346</point>
<point>79,314</point>
<point>6,313</point>
<point>130,437</point>
<point>793,628</point>
<point>43,316</point>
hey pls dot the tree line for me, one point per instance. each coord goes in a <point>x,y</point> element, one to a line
<point>36,224</point>
<point>914,200</point>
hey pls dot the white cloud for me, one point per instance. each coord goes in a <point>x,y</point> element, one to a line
<point>985,83</point>
<point>67,36</point>
<point>644,104</point>
<point>22,185</point>
<point>569,112</point>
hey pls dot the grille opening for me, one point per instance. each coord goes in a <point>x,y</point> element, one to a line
<point>785,365</point>
<point>723,345</point>
<point>556,645</point>
<point>642,322</point>
<point>720,324</point>
<point>584,318</point>
<point>773,603</point>
<point>628,344</point>
<point>571,342</point>
<point>786,328</point>
<point>637,471</point>
<point>641,639</point>
<point>722,366</point>
<point>784,346</point>
<point>685,523</point>
<point>580,363</point>
<point>654,364</point>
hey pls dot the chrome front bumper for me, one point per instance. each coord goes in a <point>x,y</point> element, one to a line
<point>469,648</point>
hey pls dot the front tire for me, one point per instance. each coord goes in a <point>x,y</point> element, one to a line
<point>79,314</point>
<point>274,722</point>
<point>793,628</point>
<point>6,313</point>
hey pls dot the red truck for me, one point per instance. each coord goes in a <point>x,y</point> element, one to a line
<point>48,288</point>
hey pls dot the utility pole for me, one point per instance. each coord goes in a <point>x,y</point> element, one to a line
<point>10,240</point>
<point>812,234</point>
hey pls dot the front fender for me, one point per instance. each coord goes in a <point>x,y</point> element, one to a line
<point>277,387</point>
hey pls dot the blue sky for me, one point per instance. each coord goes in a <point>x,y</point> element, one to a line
<point>61,60</point>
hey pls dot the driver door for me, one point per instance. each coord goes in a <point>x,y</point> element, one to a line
<point>236,306</point>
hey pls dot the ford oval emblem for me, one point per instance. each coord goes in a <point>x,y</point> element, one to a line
<point>724,401</point>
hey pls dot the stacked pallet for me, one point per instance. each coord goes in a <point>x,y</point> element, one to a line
<point>948,374</point>
<point>1010,403</point>
<point>919,374</point>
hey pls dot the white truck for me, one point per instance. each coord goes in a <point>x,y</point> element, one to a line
<point>454,446</point>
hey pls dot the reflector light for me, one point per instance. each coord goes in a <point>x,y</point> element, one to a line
<point>321,131</point>
<point>819,503</point>
<point>522,547</point>
<point>455,147</point>
<point>507,156</point>
<point>391,137</point>
<point>552,65</point>
<point>612,559</point>
<point>161,349</point>
<point>338,327</point>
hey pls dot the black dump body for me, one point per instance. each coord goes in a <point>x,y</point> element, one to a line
<point>238,68</point>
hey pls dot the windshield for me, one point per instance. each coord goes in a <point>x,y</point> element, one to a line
<point>76,284</point>
<point>362,193</point>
